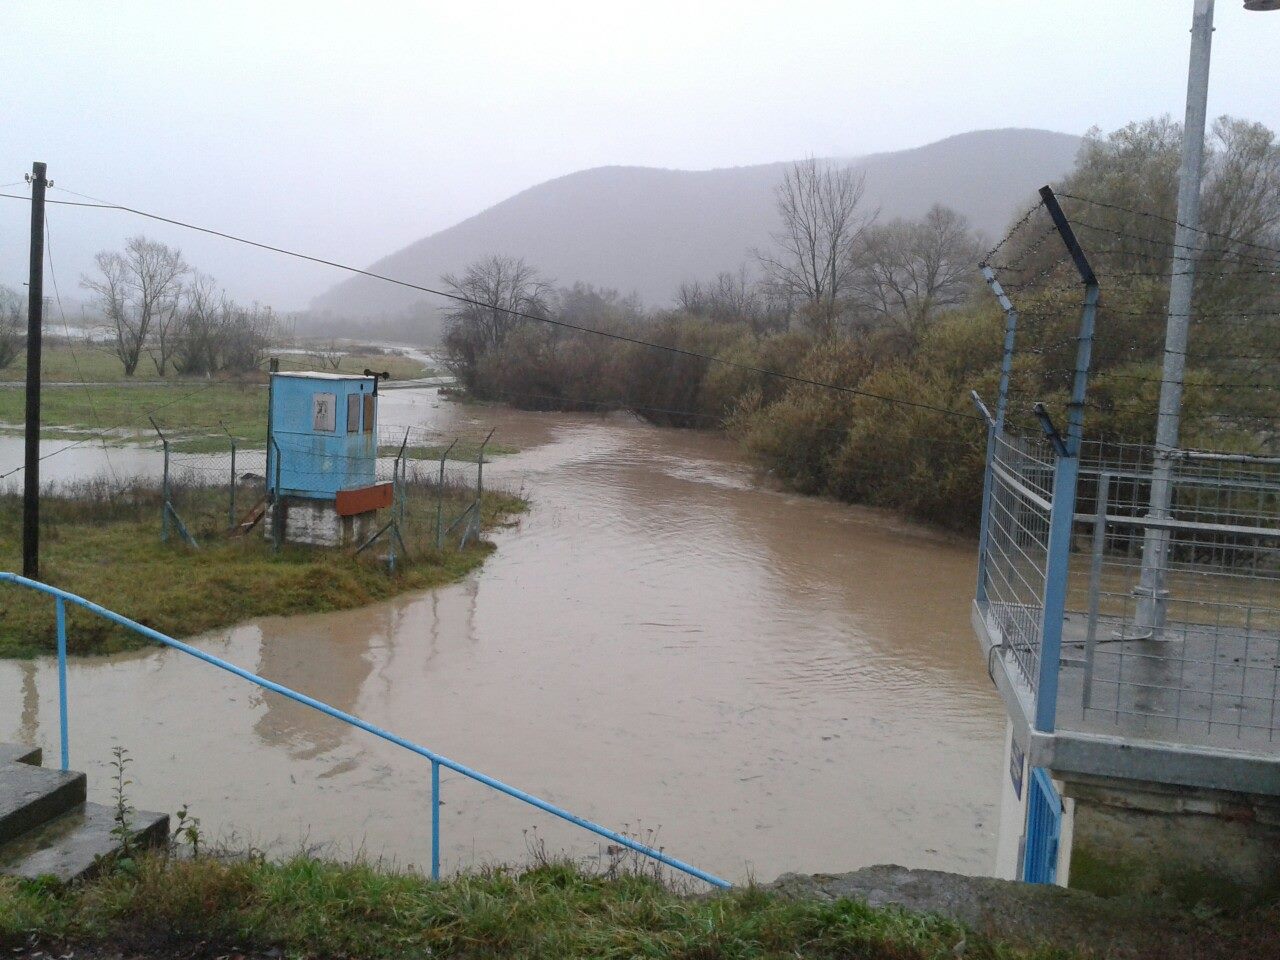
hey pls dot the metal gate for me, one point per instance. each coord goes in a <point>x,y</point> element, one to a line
<point>1044,825</point>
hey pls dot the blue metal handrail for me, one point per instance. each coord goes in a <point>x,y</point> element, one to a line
<point>62,597</point>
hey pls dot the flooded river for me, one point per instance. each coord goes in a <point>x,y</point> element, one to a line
<point>765,682</point>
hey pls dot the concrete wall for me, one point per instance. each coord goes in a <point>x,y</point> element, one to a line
<point>1013,813</point>
<point>316,522</point>
<point>1155,836</point>
<point>1011,836</point>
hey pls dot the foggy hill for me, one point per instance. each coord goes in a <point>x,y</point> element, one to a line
<point>646,230</point>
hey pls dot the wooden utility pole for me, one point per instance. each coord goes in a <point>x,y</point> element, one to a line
<point>35,311</point>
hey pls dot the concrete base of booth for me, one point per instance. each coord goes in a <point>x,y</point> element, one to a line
<point>317,523</point>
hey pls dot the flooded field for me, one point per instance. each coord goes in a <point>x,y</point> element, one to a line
<point>765,682</point>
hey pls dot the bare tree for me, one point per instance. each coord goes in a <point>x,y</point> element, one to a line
<point>819,205</point>
<point>495,292</point>
<point>139,292</point>
<point>907,271</point>
<point>11,321</point>
<point>329,355</point>
<point>731,298</point>
<point>199,327</point>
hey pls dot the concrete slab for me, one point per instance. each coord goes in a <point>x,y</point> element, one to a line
<point>20,753</point>
<point>30,796</point>
<point>74,845</point>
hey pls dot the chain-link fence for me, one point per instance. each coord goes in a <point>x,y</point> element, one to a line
<point>213,489</point>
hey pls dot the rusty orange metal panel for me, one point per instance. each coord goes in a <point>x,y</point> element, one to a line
<point>363,499</point>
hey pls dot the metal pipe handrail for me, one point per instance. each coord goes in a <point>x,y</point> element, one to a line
<point>63,597</point>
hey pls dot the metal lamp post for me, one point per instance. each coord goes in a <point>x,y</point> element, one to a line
<point>1151,593</point>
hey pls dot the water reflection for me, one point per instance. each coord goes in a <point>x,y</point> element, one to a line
<point>776,682</point>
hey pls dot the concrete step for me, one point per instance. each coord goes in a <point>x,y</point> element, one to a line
<point>31,796</point>
<point>76,844</point>
<point>19,753</point>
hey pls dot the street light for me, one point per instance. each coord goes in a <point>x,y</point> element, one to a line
<point>1151,594</point>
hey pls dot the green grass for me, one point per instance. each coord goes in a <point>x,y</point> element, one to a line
<point>103,542</point>
<point>309,908</point>
<point>188,411</point>
<point>191,410</point>
<point>76,361</point>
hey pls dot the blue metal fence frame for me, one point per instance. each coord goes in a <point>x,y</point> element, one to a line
<point>63,597</point>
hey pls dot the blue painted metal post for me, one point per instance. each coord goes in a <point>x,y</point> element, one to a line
<point>1061,516</point>
<point>435,820</point>
<point>995,429</point>
<point>60,608</point>
<point>1066,471</point>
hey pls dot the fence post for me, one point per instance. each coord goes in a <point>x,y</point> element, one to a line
<point>60,614</point>
<point>1066,472</point>
<point>435,820</point>
<point>231,506</point>
<point>164,486</point>
<point>395,504</point>
<point>277,503</point>
<point>995,428</point>
<point>475,516</point>
<point>440,496</point>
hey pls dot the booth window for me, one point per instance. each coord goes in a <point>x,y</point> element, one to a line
<point>368,412</point>
<point>324,413</point>
<point>353,413</point>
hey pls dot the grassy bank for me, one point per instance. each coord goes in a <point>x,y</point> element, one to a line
<point>67,361</point>
<point>161,908</point>
<point>102,541</point>
<point>192,410</point>
<point>305,908</point>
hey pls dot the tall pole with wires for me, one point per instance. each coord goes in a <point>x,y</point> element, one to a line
<point>1151,593</point>
<point>35,314</point>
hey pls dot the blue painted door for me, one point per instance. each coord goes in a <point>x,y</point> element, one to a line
<point>1044,825</point>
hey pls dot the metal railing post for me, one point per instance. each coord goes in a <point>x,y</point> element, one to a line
<point>984,525</point>
<point>352,720</point>
<point>60,614</point>
<point>1095,581</point>
<point>435,820</point>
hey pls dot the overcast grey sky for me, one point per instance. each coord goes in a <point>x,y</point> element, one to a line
<point>351,129</point>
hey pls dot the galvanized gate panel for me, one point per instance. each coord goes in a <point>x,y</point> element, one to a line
<point>1044,826</point>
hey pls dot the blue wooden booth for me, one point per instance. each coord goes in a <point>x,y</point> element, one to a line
<point>322,458</point>
<point>323,428</point>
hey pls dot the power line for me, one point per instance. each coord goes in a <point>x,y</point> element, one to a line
<point>852,391</point>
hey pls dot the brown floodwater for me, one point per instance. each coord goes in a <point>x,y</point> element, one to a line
<point>762,681</point>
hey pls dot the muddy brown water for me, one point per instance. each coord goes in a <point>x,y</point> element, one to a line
<point>759,681</point>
